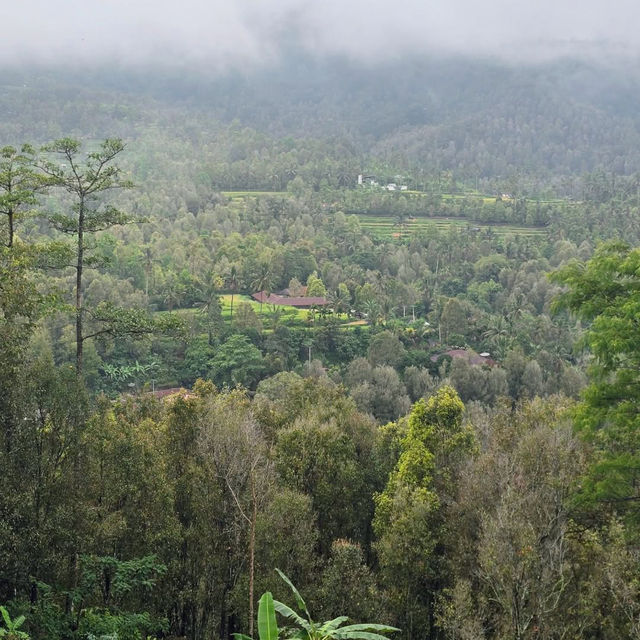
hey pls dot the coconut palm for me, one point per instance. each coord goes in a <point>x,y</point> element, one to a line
<point>263,279</point>
<point>233,281</point>
<point>340,299</point>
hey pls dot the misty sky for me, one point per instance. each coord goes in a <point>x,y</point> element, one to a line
<point>234,34</point>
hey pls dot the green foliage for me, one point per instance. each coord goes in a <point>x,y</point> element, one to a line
<point>385,348</point>
<point>515,544</point>
<point>20,185</point>
<point>315,286</point>
<point>348,584</point>
<point>605,292</point>
<point>115,580</point>
<point>11,629</point>
<point>410,511</point>
<point>237,361</point>
<point>90,480</point>
<point>307,629</point>
<point>267,625</point>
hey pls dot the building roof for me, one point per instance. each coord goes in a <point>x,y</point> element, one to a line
<point>289,301</point>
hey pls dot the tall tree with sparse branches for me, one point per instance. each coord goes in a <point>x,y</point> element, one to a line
<point>87,179</point>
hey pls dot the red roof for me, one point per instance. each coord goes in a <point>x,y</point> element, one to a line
<point>287,301</point>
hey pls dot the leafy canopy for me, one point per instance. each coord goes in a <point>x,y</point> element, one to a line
<point>605,292</point>
<point>305,627</point>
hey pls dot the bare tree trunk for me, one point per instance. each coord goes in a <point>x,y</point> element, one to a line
<point>79,267</point>
<point>10,241</point>
<point>252,548</point>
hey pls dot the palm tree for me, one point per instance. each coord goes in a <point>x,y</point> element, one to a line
<point>148,270</point>
<point>340,300</point>
<point>497,335</point>
<point>372,309</point>
<point>387,310</point>
<point>263,280</point>
<point>172,291</point>
<point>209,301</point>
<point>234,282</point>
<point>276,317</point>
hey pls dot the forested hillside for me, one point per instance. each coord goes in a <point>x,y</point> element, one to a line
<point>372,326</point>
<point>477,119</point>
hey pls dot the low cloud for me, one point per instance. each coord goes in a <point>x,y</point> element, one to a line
<point>237,34</point>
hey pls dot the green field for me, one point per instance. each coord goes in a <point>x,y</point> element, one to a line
<point>235,195</point>
<point>386,227</point>
<point>289,316</point>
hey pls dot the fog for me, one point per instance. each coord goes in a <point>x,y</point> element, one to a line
<point>228,34</point>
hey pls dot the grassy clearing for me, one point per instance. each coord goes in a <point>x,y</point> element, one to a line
<point>288,316</point>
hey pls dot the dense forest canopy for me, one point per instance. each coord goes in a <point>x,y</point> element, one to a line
<point>372,325</point>
<point>478,119</point>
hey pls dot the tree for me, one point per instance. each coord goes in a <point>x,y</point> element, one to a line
<point>295,287</point>
<point>232,440</point>
<point>315,286</point>
<point>237,361</point>
<point>20,308</point>
<point>87,182</point>
<point>287,537</point>
<point>172,290</point>
<point>340,299</point>
<point>417,382</point>
<point>19,185</point>
<point>262,280</point>
<point>322,461</point>
<point>605,291</point>
<point>385,349</point>
<point>515,549</point>
<point>411,537</point>
<point>209,302</point>
<point>247,319</point>
<point>233,280</point>
<point>383,394</point>
<point>453,319</point>
<point>348,584</point>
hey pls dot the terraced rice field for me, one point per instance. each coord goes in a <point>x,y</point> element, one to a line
<point>236,195</point>
<point>386,227</point>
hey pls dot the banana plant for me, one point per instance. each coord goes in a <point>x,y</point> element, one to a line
<point>11,629</point>
<point>267,623</point>
<point>307,629</point>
